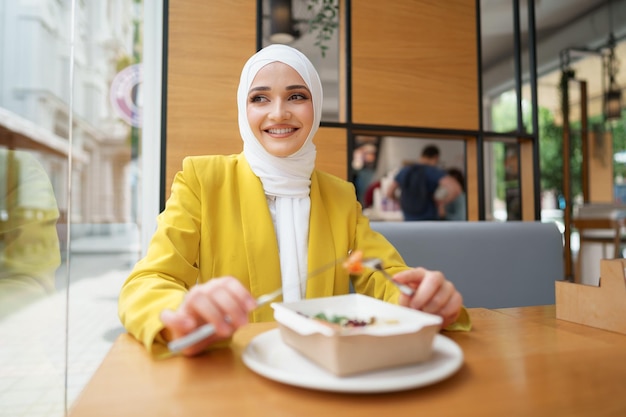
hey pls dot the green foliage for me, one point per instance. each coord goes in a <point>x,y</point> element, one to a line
<point>551,154</point>
<point>504,119</point>
<point>618,130</point>
<point>498,156</point>
<point>504,116</point>
<point>504,113</point>
<point>324,22</point>
<point>550,145</point>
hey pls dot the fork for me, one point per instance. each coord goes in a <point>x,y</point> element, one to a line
<point>208,329</point>
<point>377,264</point>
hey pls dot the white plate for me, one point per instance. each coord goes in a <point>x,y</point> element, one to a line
<point>268,356</point>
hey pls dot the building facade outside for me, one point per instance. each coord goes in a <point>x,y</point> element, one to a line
<point>70,123</point>
<point>36,93</point>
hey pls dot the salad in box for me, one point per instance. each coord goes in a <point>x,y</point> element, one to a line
<point>355,333</point>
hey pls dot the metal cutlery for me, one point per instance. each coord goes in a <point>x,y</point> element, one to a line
<point>208,329</point>
<point>377,264</point>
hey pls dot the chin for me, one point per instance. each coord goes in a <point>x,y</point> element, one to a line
<point>281,153</point>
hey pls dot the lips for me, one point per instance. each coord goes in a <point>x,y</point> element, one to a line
<point>281,131</point>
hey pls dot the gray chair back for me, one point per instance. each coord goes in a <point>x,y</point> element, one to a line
<point>493,264</point>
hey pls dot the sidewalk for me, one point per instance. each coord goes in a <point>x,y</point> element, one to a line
<point>120,239</point>
<point>34,372</point>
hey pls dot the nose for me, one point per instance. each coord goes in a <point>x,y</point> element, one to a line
<point>279,110</point>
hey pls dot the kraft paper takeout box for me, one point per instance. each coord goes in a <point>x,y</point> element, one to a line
<point>401,336</point>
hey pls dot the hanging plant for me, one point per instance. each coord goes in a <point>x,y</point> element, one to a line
<point>324,22</point>
<point>567,74</point>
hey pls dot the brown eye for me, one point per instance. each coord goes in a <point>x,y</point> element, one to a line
<point>298,96</point>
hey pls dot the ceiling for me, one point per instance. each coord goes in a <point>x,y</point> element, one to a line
<point>551,16</point>
<point>560,25</point>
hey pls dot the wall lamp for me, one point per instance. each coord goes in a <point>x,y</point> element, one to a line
<point>281,22</point>
<point>613,94</point>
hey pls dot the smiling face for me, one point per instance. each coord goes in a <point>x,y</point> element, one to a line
<point>279,109</point>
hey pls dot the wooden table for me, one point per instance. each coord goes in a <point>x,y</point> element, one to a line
<point>518,362</point>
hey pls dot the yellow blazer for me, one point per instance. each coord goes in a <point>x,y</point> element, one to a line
<point>217,223</point>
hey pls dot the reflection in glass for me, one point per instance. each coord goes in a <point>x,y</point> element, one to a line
<point>512,190</point>
<point>363,164</point>
<point>32,312</point>
<point>324,55</point>
<point>67,166</point>
<point>502,180</point>
<point>456,209</point>
<point>392,154</point>
<point>29,244</point>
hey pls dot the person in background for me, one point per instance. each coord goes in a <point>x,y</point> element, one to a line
<point>457,208</point>
<point>368,198</point>
<point>423,186</point>
<point>29,242</point>
<point>239,226</point>
<point>364,166</point>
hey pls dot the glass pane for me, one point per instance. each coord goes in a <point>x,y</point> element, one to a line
<point>502,180</point>
<point>34,92</point>
<point>107,122</point>
<point>32,311</point>
<point>618,131</point>
<point>318,41</point>
<point>377,160</point>
<point>497,43</point>
<point>58,124</point>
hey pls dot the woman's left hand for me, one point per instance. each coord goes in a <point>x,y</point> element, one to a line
<point>433,294</point>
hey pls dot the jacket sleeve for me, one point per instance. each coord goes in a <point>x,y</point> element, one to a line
<point>374,244</point>
<point>160,280</point>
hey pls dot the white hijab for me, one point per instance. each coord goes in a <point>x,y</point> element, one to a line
<point>288,179</point>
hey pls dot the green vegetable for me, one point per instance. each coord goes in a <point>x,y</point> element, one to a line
<point>342,320</point>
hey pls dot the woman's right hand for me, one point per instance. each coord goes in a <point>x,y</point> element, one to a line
<point>223,302</point>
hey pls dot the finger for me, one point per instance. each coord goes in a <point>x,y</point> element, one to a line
<point>451,311</point>
<point>428,287</point>
<point>440,299</point>
<point>204,305</point>
<point>241,294</point>
<point>412,277</point>
<point>177,324</point>
<point>223,302</point>
<point>235,288</point>
<point>232,308</point>
<point>235,301</point>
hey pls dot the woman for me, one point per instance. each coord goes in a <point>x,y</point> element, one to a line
<point>234,225</point>
<point>457,208</point>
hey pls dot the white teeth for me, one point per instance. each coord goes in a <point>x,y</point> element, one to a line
<point>280,131</point>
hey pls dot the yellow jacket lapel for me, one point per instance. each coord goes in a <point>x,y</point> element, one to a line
<point>260,238</point>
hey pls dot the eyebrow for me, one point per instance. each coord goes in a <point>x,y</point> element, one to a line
<point>288,88</point>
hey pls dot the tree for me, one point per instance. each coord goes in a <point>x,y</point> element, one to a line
<point>551,154</point>
<point>551,145</point>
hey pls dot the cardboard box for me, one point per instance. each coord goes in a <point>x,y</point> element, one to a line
<point>399,336</point>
